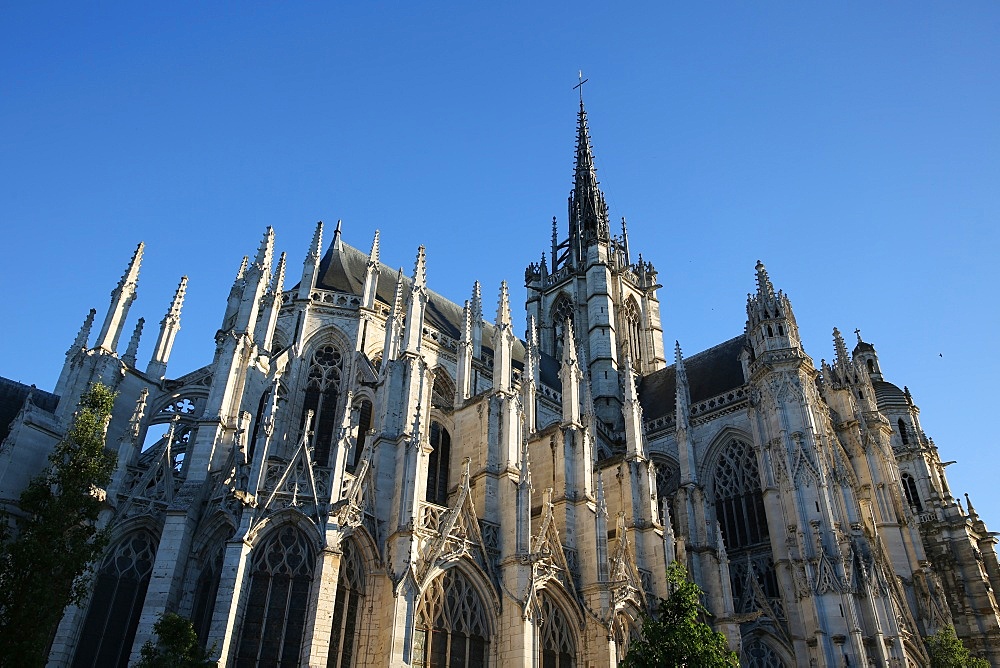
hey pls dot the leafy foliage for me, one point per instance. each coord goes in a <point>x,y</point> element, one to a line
<point>676,636</point>
<point>947,651</point>
<point>176,646</point>
<point>45,567</point>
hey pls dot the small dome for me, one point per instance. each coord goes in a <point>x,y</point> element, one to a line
<point>887,394</point>
<point>864,347</point>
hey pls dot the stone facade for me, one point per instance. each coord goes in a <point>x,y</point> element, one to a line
<point>367,474</point>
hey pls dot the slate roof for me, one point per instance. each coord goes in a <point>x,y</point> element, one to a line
<point>710,373</point>
<point>343,268</point>
<point>887,394</point>
<point>12,396</point>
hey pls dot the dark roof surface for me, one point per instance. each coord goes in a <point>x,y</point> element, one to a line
<point>887,394</point>
<point>710,373</point>
<point>343,268</point>
<point>12,396</point>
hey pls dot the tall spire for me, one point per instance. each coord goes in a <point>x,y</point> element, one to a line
<point>81,338</point>
<point>169,326</point>
<point>477,320</point>
<point>133,345</point>
<point>121,300</point>
<point>588,212</point>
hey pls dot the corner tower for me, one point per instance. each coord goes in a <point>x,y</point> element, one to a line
<point>593,283</point>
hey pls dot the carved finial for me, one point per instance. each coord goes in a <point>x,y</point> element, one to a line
<point>279,275</point>
<point>316,245</point>
<point>764,286</point>
<point>569,355</point>
<point>840,347</point>
<point>84,334</point>
<point>266,249</point>
<point>373,255</point>
<point>420,270</point>
<point>241,272</point>
<point>131,275</point>
<point>477,302</point>
<point>503,306</point>
<point>397,297</point>
<point>133,345</point>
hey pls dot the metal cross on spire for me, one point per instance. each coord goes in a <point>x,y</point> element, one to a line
<point>580,85</point>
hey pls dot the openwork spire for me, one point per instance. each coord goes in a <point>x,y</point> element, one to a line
<point>588,212</point>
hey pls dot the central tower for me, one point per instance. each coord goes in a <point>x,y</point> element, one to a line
<point>593,283</point>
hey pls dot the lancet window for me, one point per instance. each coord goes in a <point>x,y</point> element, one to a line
<point>205,592</point>
<point>557,641</point>
<point>631,331</point>
<point>345,633</point>
<point>119,591</point>
<point>910,491</point>
<point>562,311</point>
<point>902,431</point>
<point>364,408</point>
<point>437,465</point>
<point>452,628</point>
<point>274,620</point>
<point>739,508</point>
<point>322,390</point>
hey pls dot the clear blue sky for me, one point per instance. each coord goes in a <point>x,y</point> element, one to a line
<point>851,146</point>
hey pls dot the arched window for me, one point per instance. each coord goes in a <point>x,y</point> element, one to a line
<point>452,628</point>
<point>113,615</point>
<point>902,431</point>
<point>667,482</point>
<point>739,508</point>
<point>562,311</point>
<point>758,654</point>
<point>632,326</point>
<point>871,366</point>
<point>910,491</point>
<point>625,631</point>
<point>437,466</point>
<point>558,645</point>
<point>322,390</point>
<point>206,591</point>
<point>274,620</point>
<point>347,610</point>
<point>739,504</point>
<point>364,425</point>
<point>443,390</point>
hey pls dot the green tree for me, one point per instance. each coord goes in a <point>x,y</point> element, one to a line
<point>676,636</point>
<point>177,646</point>
<point>44,567</point>
<point>947,651</point>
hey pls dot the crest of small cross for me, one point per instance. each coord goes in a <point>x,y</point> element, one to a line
<point>580,85</point>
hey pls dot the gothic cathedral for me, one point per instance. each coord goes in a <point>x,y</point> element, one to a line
<point>368,474</point>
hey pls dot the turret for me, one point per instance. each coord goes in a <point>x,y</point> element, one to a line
<point>371,275</point>
<point>169,326</point>
<point>770,321</point>
<point>864,353</point>
<point>121,300</point>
